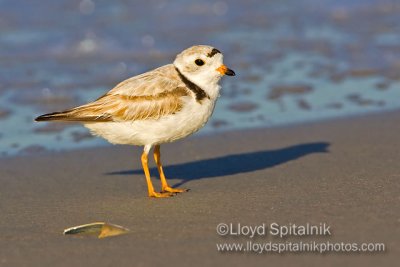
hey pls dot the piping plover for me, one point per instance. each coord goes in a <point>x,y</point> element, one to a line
<point>156,107</point>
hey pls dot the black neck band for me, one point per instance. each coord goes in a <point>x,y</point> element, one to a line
<point>200,93</point>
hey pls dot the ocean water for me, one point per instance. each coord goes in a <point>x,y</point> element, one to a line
<point>295,60</point>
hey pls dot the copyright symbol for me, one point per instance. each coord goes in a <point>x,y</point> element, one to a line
<point>222,229</point>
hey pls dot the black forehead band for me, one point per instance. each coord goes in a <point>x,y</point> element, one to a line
<point>213,52</point>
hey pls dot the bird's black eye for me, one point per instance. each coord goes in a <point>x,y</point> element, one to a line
<point>199,62</point>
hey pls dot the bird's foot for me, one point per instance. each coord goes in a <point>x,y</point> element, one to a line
<point>161,194</point>
<point>173,190</point>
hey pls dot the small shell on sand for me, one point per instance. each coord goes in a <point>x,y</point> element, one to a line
<point>99,229</point>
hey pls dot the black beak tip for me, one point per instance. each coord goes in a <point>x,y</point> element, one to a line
<point>230,72</point>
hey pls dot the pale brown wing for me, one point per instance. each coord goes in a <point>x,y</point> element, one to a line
<point>124,108</point>
<point>146,96</point>
<point>153,82</point>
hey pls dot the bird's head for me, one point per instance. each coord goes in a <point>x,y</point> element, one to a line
<point>202,64</point>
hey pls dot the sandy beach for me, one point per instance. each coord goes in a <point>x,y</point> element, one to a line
<point>343,172</point>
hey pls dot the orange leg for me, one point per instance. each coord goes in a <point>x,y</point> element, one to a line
<point>164,185</point>
<point>150,187</point>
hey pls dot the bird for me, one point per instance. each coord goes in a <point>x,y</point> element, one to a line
<point>156,107</point>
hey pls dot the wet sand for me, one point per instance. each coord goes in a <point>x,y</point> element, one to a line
<point>344,172</point>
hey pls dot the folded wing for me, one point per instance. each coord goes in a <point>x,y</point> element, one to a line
<point>147,96</point>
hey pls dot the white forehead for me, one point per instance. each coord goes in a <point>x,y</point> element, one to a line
<point>201,51</point>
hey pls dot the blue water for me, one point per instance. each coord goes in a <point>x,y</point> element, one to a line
<point>296,60</point>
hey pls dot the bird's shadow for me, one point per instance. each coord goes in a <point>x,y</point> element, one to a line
<point>234,164</point>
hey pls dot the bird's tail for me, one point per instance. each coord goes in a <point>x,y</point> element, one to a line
<point>91,112</point>
<point>79,114</point>
<point>56,116</point>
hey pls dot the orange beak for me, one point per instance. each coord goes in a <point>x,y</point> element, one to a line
<point>224,70</point>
